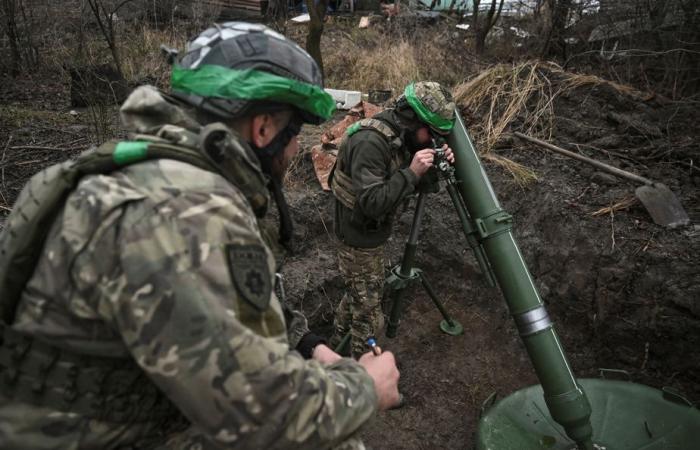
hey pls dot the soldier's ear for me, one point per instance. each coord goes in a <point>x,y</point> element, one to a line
<point>263,129</point>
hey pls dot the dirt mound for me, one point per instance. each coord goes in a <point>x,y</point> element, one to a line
<point>622,291</point>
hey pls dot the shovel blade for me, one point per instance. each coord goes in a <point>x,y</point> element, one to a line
<point>663,205</point>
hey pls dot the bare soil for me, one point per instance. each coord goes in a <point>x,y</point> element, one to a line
<point>623,292</point>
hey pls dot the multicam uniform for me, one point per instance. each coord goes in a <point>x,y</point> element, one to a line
<point>370,180</point>
<point>153,293</point>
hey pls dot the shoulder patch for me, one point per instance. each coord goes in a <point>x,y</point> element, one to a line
<point>247,265</point>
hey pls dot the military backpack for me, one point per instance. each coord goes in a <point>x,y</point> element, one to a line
<point>37,372</point>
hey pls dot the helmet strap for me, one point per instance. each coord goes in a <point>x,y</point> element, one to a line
<point>286,228</point>
<point>266,155</point>
<point>277,145</point>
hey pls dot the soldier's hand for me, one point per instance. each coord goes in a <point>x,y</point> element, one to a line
<point>385,374</point>
<point>449,154</point>
<point>422,161</point>
<point>323,354</point>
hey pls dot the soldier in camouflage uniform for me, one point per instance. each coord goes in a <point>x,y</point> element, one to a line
<point>380,163</point>
<point>138,308</point>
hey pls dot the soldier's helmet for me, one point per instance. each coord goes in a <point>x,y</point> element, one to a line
<point>235,68</point>
<point>433,104</point>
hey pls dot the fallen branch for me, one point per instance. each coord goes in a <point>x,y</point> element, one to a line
<point>622,204</point>
<point>39,147</point>
<point>608,153</point>
<point>33,161</point>
<point>595,163</point>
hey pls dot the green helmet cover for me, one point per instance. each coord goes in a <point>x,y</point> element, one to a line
<point>249,84</point>
<point>432,118</point>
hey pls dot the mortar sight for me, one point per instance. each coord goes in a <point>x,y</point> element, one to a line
<point>440,160</point>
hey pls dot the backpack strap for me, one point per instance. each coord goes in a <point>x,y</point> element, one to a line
<point>43,196</point>
<point>378,126</point>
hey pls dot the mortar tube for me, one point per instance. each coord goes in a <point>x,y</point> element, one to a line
<point>566,401</point>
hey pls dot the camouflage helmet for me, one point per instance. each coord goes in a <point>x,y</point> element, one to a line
<point>433,105</point>
<point>236,68</point>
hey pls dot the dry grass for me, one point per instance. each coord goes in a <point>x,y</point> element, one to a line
<point>381,58</point>
<point>522,174</point>
<point>389,64</point>
<point>522,94</point>
<point>504,93</point>
<point>142,58</point>
<point>574,80</point>
<point>18,116</point>
<point>139,47</point>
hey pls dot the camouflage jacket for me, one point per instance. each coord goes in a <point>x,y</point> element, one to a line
<point>164,263</point>
<point>381,181</point>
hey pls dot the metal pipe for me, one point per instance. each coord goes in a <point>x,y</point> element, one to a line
<point>565,399</point>
<point>409,254</point>
<point>431,293</point>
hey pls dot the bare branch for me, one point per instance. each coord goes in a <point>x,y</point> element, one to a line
<point>119,6</point>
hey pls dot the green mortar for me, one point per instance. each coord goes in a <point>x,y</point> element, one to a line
<point>561,413</point>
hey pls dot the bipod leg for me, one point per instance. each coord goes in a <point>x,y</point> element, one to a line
<point>449,325</point>
<point>469,232</point>
<point>401,276</point>
<point>398,289</point>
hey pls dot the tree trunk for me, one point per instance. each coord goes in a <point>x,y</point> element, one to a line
<point>482,28</point>
<point>112,42</point>
<point>8,7</point>
<point>452,6</point>
<point>31,56</point>
<point>317,12</point>
<point>555,14</point>
<point>276,9</point>
<point>105,21</point>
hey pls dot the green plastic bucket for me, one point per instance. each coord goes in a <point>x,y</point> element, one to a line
<point>625,416</point>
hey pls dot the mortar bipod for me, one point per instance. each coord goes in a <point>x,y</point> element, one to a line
<point>446,172</point>
<point>405,274</point>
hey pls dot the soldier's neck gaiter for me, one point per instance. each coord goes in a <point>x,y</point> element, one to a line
<point>266,155</point>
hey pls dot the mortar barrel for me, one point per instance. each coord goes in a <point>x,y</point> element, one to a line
<point>567,402</point>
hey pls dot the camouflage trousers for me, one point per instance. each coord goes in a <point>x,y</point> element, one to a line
<point>360,310</point>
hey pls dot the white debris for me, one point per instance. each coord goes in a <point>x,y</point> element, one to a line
<point>345,99</point>
<point>302,18</point>
<point>520,33</point>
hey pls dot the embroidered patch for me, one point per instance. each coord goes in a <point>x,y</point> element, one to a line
<point>248,267</point>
